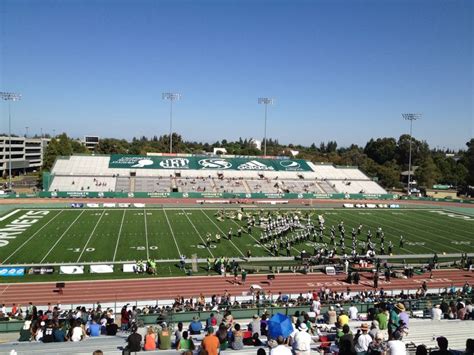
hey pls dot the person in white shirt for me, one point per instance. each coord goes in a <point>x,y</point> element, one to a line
<point>281,348</point>
<point>302,341</point>
<point>363,340</point>
<point>353,311</point>
<point>316,306</point>
<point>396,346</point>
<point>436,312</point>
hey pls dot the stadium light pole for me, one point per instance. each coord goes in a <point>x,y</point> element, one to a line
<point>171,97</point>
<point>265,101</point>
<point>10,96</point>
<point>410,117</point>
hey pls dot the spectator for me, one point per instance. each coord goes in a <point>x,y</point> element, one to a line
<point>436,312</point>
<point>111,327</point>
<point>164,337</point>
<point>59,332</point>
<point>374,329</point>
<point>394,320</point>
<point>124,317</point>
<point>281,348</point>
<point>98,352</point>
<point>48,336</point>
<point>331,315</point>
<point>211,321</point>
<point>302,341</point>
<point>210,343</point>
<point>222,336</point>
<point>94,329</point>
<point>178,334</point>
<point>396,346</point>
<point>469,347</point>
<point>150,340</point>
<point>255,323</point>
<point>353,312</point>
<point>346,342</point>
<point>134,340</point>
<point>443,347</point>
<point>78,333</point>
<point>363,340</point>
<point>343,319</point>
<point>195,326</point>
<point>377,346</point>
<point>237,338</point>
<point>421,350</point>
<point>185,344</point>
<point>25,331</point>
<point>263,325</point>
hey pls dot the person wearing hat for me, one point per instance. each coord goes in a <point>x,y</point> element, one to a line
<point>302,341</point>
<point>210,343</point>
<point>363,340</point>
<point>164,337</point>
<point>195,326</point>
<point>436,312</point>
<point>255,325</point>
<point>394,319</point>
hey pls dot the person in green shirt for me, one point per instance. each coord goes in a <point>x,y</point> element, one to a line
<point>382,318</point>
<point>185,344</point>
<point>164,338</point>
<point>394,320</point>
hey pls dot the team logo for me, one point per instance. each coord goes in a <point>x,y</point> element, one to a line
<point>215,164</point>
<point>254,165</point>
<point>290,164</point>
<point>175,163</point>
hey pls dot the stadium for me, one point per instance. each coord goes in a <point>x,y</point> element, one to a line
<point>152,200</point>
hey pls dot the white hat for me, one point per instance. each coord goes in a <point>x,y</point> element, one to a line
<point>42,323</point>
<point>303,327</point>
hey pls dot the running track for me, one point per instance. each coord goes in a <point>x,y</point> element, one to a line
<point>169,288</point>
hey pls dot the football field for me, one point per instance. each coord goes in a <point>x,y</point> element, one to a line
<point>46,236</point>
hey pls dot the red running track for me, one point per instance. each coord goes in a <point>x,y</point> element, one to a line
<point>168,288</point>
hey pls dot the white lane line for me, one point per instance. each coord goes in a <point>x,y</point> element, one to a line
<point>28,240</point>
<point>209,218</point>
<point>172,233</point>
<point>119,234</point>
<point>146,237</point>
<point>88,240</point>
<point>199,234</point>
<point>61,237</point>
<point>9,215</point>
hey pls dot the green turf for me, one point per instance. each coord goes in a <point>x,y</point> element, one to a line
<point>75,236</point>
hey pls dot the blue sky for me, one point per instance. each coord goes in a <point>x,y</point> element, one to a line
<point>338,70</point>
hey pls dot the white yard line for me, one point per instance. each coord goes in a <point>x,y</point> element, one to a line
<point>61,237</point>
<point>8,215</point>
<point>28,240</point>
<point>119,234</point>
<point>254,238</point>
<point>90,236</point>
<point>146,237</point>
<point>199,234</point>
<point>172,233</point>
<point>240,251</point>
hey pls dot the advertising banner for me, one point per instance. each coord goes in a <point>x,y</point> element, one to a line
<point>12,271</point>
<point>41,270</point>
<point>71,270</point>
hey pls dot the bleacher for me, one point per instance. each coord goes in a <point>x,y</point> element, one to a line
<point>77,173</point>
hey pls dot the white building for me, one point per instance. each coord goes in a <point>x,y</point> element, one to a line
<point>26,154</point>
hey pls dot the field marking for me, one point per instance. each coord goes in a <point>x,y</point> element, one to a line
<point>119,234</point>
<point>146,236</point>
<point>8,215</point>
<point>429,240</point>
<point>172,232</point>
<point>199,234</point>
<point>238,249</point>
<point>28,240</point>
<point>61,237</point>
<point>90,236</point>
<point>263,245</point>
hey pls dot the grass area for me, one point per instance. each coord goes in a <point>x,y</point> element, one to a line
<point>104,235</point>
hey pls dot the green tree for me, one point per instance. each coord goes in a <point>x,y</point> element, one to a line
<point>427,173</point>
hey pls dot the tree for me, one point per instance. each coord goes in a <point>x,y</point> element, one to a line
<point>381,150</point>
<point>468,161</point>
<point>427,173</point>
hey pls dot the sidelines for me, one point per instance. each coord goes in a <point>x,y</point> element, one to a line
<point>28,240</point>
<point>172,233</point>
<point>90,236</point>
<point>199,234</point>
<point>61,237</point>
<point>119,234</point>
<point>240,251</point>
<point>146,236</point>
